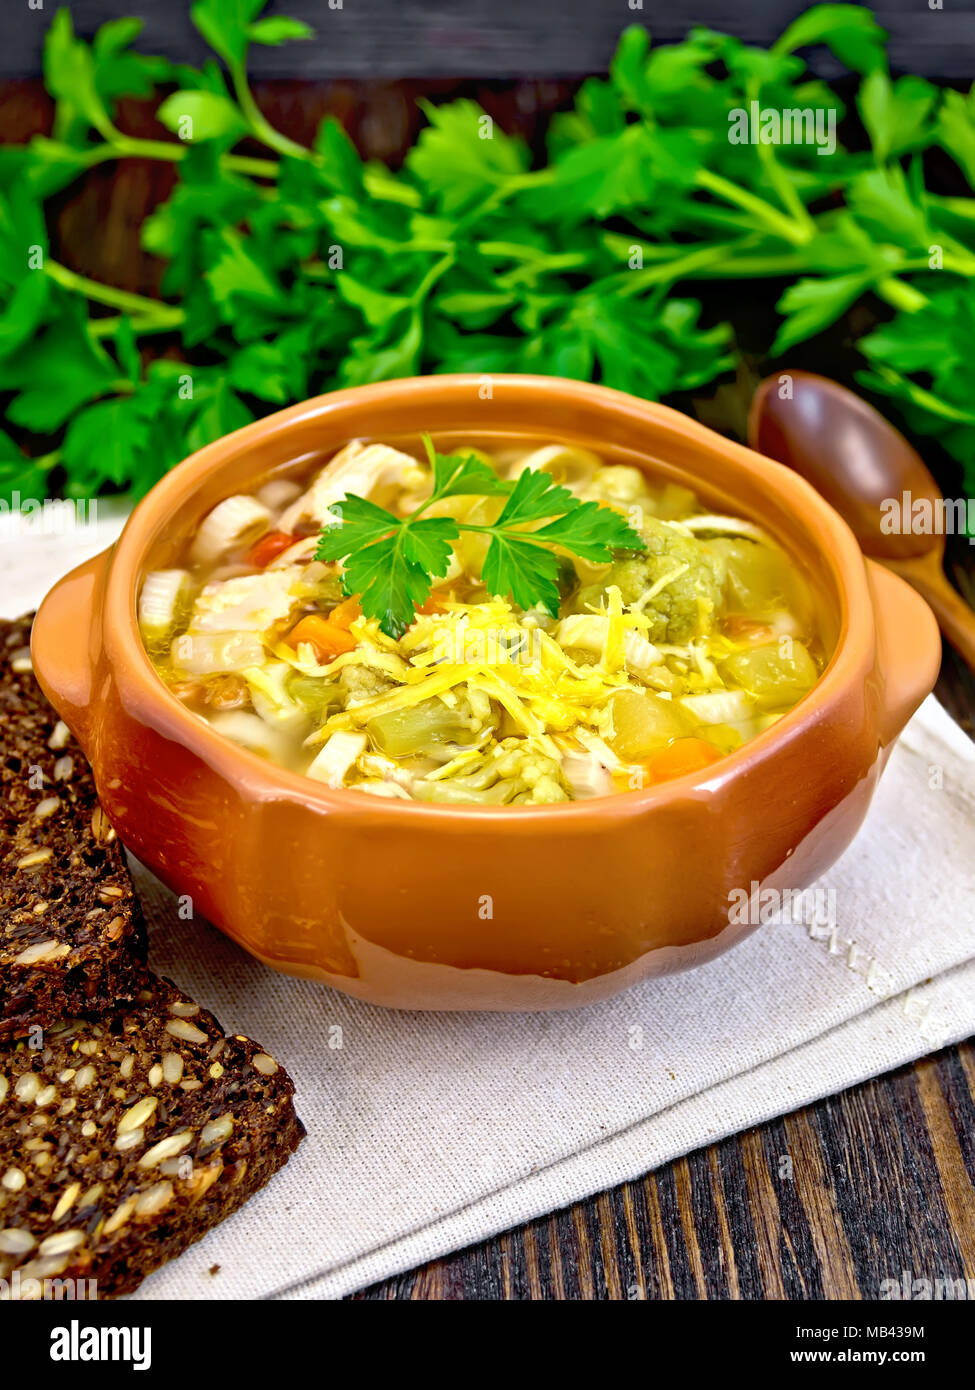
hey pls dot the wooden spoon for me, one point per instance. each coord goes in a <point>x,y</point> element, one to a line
<point>857,460</point>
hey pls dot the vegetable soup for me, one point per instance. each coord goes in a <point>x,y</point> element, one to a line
<point>524,627</point>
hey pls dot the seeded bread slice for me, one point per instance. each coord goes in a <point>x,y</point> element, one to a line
<point>125,1139</point>
<point>72,936</point>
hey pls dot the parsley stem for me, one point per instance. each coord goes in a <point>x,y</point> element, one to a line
<point>430,279</point>
<point>510,531</point>
<point>141,327</point>
<point>783,226</point>
<point>924,398</point>
<point>545,265</point>
<point>781,181</point>
<point>694,262</point>
<point>901,295</point>
<point>954,264</point>
<point>112,297</point>
<point>958,207</point>
<point>129,147</point>
<point>259,123</point>
<point>708,215</point>
<point>380,183</point>
<point>511,249</point>
<point>255,168</point>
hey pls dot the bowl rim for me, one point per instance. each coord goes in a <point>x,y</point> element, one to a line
<point>146,696</point>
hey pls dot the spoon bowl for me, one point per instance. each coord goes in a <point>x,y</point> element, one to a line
<point>871,475</point>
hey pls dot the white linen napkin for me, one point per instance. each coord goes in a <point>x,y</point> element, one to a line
<point>427,1132</point>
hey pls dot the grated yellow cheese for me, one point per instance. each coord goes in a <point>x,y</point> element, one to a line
<point>613,650</point>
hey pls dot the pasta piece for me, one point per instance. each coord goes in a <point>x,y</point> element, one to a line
<point>211,654</point>
<point>253,734</point>
<point>251,602</point>
<point>163,593</point>
<point>337,757</point>
<point>236,521</point>
<point>360,469</point>
<point>278,493</point>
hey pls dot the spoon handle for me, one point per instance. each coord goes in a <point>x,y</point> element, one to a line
<point>955,618</point>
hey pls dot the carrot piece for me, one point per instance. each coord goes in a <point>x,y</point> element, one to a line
<point>268,548</point>
<point>435,603</point>
<point>680,757</point>
<point>326,638</point>
<point>743,629</point>
<point>346,613</point>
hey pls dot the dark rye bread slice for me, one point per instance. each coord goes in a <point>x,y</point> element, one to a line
<point>72,937</point>
<point>125,1139</point>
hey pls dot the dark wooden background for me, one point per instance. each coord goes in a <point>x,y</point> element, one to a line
<point>882,1174</point>
<point>489,38</point>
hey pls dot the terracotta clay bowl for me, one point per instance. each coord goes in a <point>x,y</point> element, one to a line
<point>432,907</point>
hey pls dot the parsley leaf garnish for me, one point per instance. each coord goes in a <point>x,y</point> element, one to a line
<point>391,562</point>
<point>457,474</point>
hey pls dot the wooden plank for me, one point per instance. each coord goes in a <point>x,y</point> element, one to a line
<point>955,1181</point>
<point>486,38</point>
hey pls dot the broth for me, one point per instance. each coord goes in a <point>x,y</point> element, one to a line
<point>656,660</point>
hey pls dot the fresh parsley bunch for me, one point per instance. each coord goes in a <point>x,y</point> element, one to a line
<point>391,562</point>
<point>294,269</point>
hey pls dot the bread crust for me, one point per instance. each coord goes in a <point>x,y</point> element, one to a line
<point>72,934</point>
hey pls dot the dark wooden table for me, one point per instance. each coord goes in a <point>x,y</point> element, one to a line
<point>882,1174</point>
<point>366,39</point>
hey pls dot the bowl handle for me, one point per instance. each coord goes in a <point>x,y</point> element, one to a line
<point>62,643</point>
<point>909,647</point>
